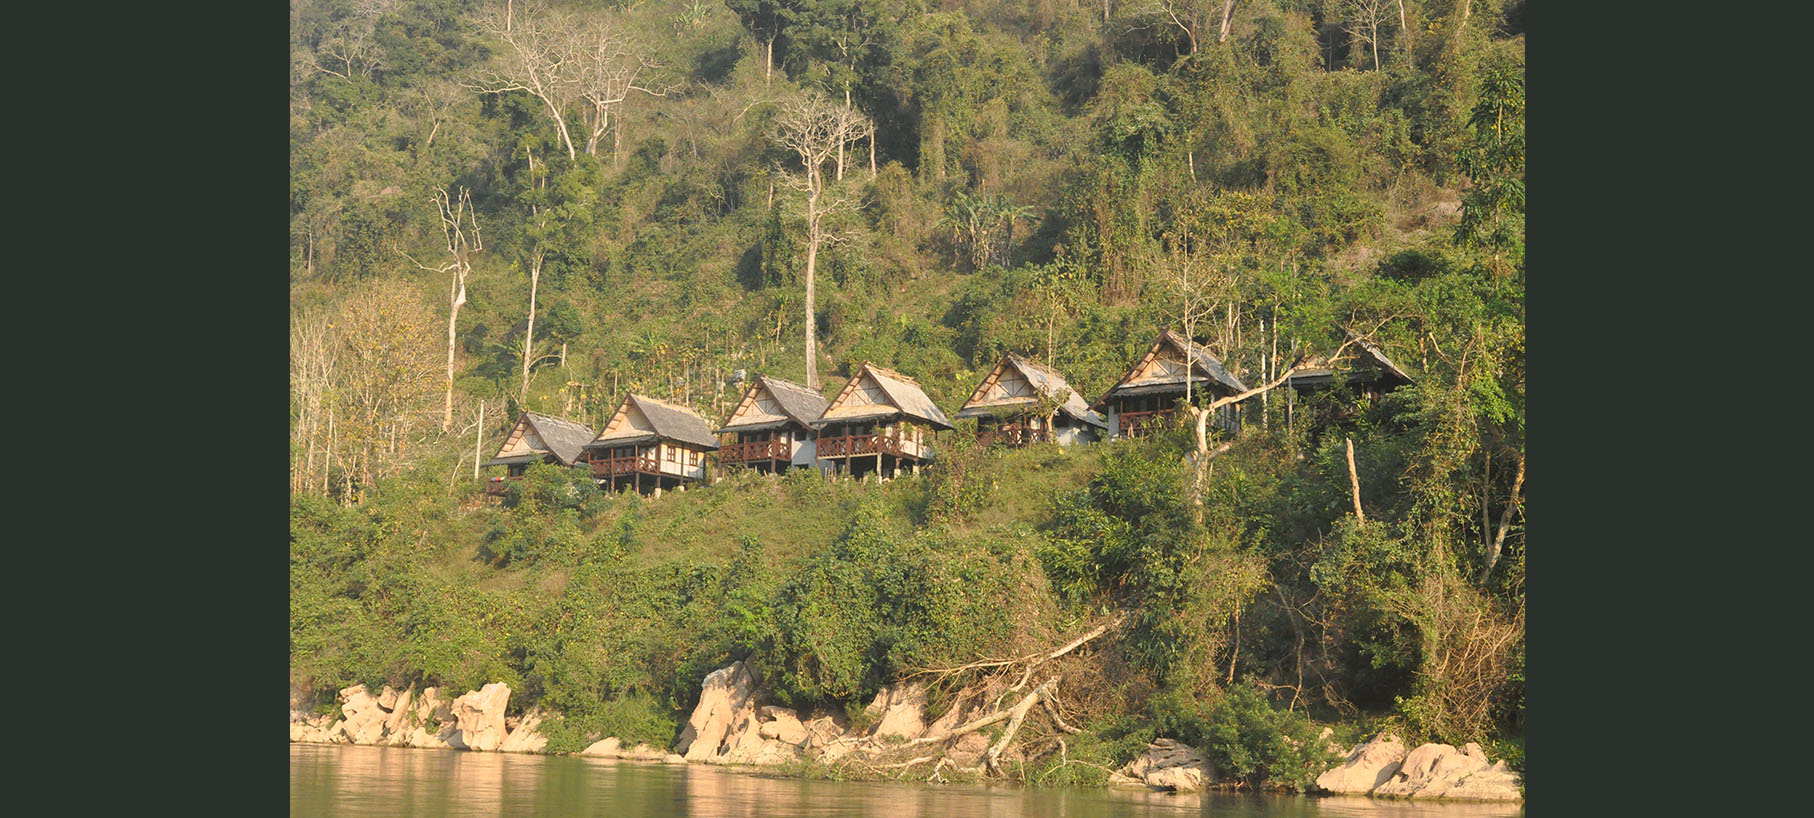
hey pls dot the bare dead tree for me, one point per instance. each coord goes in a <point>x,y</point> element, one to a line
<point>457,221</point>
<point>1185,15</point>
<point>435,101</point>
<point>815,129</point>
<point>1228,10</point>
<point>349,48</point>
<point>537,58</point>
<point>1363,23</point>
<point>313,344</point>
<point>609,65</point>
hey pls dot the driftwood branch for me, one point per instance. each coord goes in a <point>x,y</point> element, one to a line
<point>1036,658</point>
<point>1017,715</point>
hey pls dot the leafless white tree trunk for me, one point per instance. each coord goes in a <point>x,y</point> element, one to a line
<point>1505,521</point>
<point>537,58</point>
<point>1228,10</point>
<point>609,64</point>
<point>815,129</point>
<point>457,219</point>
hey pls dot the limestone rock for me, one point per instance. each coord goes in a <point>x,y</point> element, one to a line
<point>364,718</point>
<point>967,750</point>
<point>1368,765</point>
<point>525,738</point>
<point>609,747</point>
<point>960,711</point>
<point>479,718</point>
<point>1495,783</point>
<point>1172,765</point>
<point>1178,779</point>
<point>1441,771</point>
<point>822,730</point>
<point>387,698</point>
<point>901,712</point>
<point>645,752</point>
<point>398,725</point>
<point>431,707</point>
<point>784,725</point>
<point>1429,770</point>
<point>726,699</point>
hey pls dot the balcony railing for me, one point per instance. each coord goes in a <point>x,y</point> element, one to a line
<point>619,466</point>
<point>755,450</point>
<point>1137,424</point>
<point>1012,437</point>
<point>853,445</point>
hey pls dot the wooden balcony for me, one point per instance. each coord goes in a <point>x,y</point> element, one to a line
<point>755,450</point>
<point>1137,424</point>
<point>623,466</point>
<point>1012,437</point>
<point>854,445</point>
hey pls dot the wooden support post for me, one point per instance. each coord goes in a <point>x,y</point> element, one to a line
<point>1354,483</point>
<point>478,444</point>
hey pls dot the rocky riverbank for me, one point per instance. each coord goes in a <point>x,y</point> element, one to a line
<point>729,727</point>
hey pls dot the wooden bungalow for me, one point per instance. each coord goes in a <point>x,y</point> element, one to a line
<point>1370,376</point>
<point>1021,401</point>
<point>651,445</point>
<point>772,426</point>
<point>1150,391</point>
<point>878,424</point>
<point>538,438</point>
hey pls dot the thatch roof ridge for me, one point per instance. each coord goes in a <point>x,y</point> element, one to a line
<point>672,421</point>
<point>1192,353</point>
<point>902,391</point>
<point>1048,381</point>
<point>564,437</point>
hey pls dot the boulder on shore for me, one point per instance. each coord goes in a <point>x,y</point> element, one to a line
<point>899,712</point>
<point>1168,764</point>
<point>526,738</point>
<point>608,747</point>
<point>1381,767</point>
<point>364,716</point>
<point>479,718</point>
<point>726,700</point>
<point>1368,765</point>
<point>783,725</point>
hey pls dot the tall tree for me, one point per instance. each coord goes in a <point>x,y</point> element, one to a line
<point>537,58</point>
<point>1492,209</point>
<point>460,235</point>
<point>814,128</point>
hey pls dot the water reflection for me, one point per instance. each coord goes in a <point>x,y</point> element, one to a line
<point>338,781</point>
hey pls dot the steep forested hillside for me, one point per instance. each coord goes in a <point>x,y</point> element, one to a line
<point>610,195</point>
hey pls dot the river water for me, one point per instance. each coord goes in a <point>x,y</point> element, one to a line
<point>342,781</point>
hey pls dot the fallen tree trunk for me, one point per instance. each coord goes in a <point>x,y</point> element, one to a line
<point>1017,715</point>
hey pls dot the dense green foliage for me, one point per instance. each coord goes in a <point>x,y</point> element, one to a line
<point>1044,175</point>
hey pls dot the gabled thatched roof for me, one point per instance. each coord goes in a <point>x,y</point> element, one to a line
<point>1373,366</point>
<point>797,404</point>
<point>989,397</point>
<point>1144,377</point>
<point>641,419</point>
<point>878,393</point>
<point>537,436</point>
